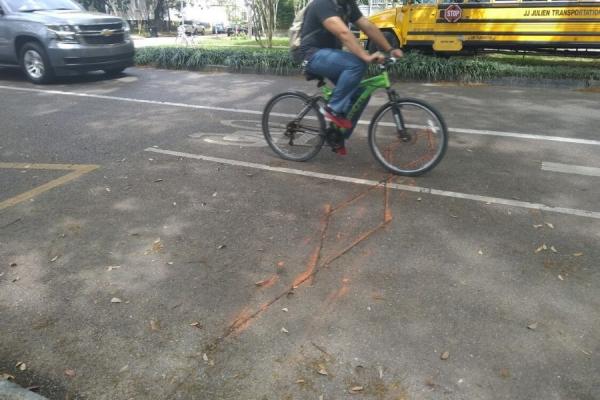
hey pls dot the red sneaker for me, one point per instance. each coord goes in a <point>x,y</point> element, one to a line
<point>337,119</point>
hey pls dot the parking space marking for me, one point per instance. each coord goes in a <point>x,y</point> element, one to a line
<point>254,112</point>
<point>570,169</point>
<point>77,171</point>
<point>396,186</point>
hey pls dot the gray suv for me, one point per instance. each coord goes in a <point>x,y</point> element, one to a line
<point>48,38</point>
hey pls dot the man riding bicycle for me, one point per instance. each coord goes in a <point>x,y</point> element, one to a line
<point>324,32</point>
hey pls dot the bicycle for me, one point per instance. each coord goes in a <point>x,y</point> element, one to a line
<point>294,126</point>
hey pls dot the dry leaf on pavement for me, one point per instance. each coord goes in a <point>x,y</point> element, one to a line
<point>532,326</point>
<point>111,267</point>
<point>154,325</point>
<point>54,259</point>
<point>204,357</point>
<point>6,377</point>
<point>577,254</point>
<point>445,355</point>
<point>300,381</point>
<point>21,366</point>
<point>322,370</point>
<point>549,225</point>
<point>196,324</point>
<point>284,330</point>
<point>70,373</point>
<point>356,389</point>
<point>553,249</point>
<point>116,300</point>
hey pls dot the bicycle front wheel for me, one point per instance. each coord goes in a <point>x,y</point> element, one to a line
<point>293,126</point>
<point>408,137</point>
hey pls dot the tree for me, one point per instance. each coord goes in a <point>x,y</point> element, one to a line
<point>264,18</point>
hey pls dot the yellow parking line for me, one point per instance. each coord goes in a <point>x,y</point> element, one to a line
<point>77,169</point>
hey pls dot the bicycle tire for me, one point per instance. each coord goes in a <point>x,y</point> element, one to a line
<point>393,155</point>
<point>279,115</point>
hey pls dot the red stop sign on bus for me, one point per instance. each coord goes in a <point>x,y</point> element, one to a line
<point>452,13</point>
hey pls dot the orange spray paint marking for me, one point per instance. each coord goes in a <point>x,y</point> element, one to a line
<point>265,283</point>
<point>314,257</point>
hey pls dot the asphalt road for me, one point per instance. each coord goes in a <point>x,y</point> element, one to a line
<point>152,246</point>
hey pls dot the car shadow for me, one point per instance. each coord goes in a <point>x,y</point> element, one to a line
<point>9,74</point>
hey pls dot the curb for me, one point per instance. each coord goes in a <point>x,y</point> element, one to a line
<point>12,391</point>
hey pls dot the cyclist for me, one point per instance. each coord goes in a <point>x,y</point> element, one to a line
<point>324,32</point>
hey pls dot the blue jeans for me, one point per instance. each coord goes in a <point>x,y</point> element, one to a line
<point>344,69</point>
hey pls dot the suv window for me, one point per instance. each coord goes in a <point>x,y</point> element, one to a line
<point>38,5</point>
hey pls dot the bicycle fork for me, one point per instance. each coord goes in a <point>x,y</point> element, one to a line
<point>397,113</point>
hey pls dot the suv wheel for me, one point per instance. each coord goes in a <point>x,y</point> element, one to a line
<point>35,63</point>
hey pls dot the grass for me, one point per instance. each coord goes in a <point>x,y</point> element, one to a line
<point>414,66</point>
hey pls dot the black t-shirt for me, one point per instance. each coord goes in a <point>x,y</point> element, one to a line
<point>314,35</point>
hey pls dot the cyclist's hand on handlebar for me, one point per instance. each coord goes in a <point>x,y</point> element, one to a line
<point>376,58</point>
<point>396,53</point>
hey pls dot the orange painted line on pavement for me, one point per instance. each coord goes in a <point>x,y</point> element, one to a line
<point>78,170</point>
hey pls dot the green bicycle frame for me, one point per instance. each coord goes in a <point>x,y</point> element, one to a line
<point>369,85</point>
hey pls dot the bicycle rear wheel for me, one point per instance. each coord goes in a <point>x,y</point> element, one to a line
<point>414,149</point>
<point>293,126</point>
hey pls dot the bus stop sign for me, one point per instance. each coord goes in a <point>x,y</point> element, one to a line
<point>452,13</point>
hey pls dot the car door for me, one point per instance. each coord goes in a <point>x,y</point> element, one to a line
<point>4,34</point>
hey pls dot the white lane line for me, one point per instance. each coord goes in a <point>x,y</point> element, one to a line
<point>570,169</point>
<point>368,182</point>
<point>254,112</point>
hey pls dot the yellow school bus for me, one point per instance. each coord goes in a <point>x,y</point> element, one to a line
<point>455,26</point>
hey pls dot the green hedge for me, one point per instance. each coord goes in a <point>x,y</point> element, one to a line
<point>414,66</point>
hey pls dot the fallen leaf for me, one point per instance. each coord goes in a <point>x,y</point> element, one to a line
<point>300,381</point>
<point>111,267</point>
<point>196,324</point>
<point>170,263</point>
<point>445,355</point>
<point>419,199</point>
<point>549,225</point>
<point>54,259</point>
<point>214,194</point>
<point>124,368</point>
<point>7,377</point>
<point>577,254</point>
<point>544,246</point>
<point>284,330</point>
<point>261,283</point>
<point>322,370</point>
<point>356,389</point>
<point>108,190</point>
<point>222,246</point>
<point>285,309</point>
<point>21,366</point>
<point>538,226</point>
<point>154,325</point>
<point>539,249</point>
<point>532,326</point>
<point>561,278</point>
<point>70,373</point>
<point>116,300</point>
<point>204,357</point>
<point>553,249</point>
<point>480,252</point>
